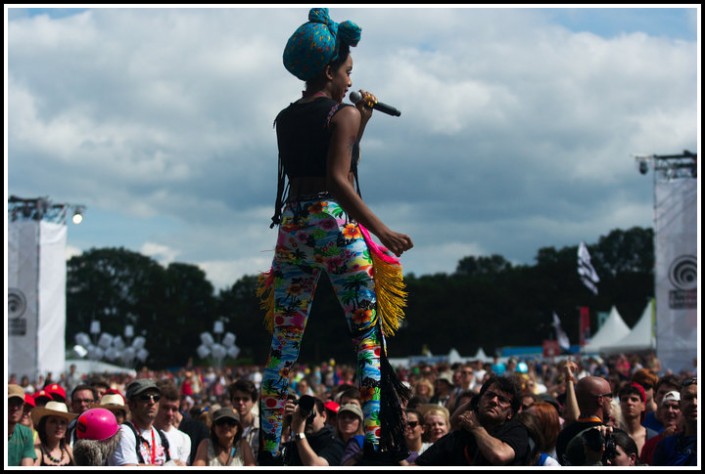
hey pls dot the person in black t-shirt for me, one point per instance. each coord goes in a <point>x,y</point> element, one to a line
<point>488,434</point>
<point>314,442</point>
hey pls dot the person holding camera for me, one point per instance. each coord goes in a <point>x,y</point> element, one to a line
<point>489,433</point>
<point>594,446</point>
<point>594,397</point>
<point>313,441</point>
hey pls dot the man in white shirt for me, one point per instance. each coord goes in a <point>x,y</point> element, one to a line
<point>141,444</point>
<point>167,421</point>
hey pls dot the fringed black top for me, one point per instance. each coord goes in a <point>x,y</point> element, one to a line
<point>303,136</point>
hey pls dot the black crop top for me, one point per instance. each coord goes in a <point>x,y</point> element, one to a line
<point>303,136</point>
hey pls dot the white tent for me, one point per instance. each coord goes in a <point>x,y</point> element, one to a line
<point>454,356</point>
<point>86,367</point>
<point>611,331</point>
<point>640,338</point>
<point>481,356</point>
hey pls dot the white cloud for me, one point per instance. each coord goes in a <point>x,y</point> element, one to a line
<point>161,253</point>
<point>516,132</point>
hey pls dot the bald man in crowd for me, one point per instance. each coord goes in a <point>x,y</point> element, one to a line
<point>594,397</point>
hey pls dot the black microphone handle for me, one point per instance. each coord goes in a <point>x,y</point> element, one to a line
<point>387,109</point>
<point>356,97</point>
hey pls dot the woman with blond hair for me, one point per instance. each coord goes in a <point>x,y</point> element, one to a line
<point>437,422</point>
<point>423,390</point>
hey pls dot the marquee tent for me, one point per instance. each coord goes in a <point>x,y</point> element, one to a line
<point>613,330</point>
<point>85,367</point>
<point>640,338</point>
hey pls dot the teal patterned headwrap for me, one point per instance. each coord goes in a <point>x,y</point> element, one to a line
<point>316,43</point>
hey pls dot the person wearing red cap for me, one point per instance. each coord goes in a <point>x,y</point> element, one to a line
<point>331,408</point>
<point>648,380</point>
<point>632,401</point>
<point>41,397</point>
<point>26,420</point>
<point>57,392</point>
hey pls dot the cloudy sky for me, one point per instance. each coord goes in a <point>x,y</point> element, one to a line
<point>518,131</point>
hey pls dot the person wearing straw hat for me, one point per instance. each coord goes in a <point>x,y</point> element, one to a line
<point>115,402</point>
<point>20,444</point>
<point>52,422</point>
<point>323,228</point>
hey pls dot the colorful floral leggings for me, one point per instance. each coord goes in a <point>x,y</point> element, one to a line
<point>316,236</point>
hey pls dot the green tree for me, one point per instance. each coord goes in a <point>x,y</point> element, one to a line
<point>475,266</point>
<point>487,302</point>
<point>188,309</point>
<point>118,287</point>
<point>109,285</point>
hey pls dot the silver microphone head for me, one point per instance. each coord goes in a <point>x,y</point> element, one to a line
<point>355,97</point>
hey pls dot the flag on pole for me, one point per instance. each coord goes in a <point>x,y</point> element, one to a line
<point>562,337</point>
<point>587,273</point>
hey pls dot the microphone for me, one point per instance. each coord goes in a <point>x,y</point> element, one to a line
<point>356,97</point>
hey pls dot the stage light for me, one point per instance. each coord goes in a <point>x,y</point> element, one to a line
<point>642,163</point>
<point>77,215</point>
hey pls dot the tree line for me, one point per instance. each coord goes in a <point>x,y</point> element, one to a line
<point>487,302</point>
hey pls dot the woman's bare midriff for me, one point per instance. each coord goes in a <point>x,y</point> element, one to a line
<point>308,186</point>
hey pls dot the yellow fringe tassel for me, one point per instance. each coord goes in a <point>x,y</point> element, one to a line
<point>389,287</point>
<point>391,294</point>
<point>265,292</point>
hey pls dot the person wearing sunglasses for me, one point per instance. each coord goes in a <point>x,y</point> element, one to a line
<point>141,442</point>
<point>594,398</point>
<point>413,434</point>
<point>226,446</point>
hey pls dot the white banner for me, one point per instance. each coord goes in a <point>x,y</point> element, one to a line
<point>36,285</point>
<point>51,345</point>
<point>22,302</point>
<point>675,229</point>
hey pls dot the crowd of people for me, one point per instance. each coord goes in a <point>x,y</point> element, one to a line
<point>619,411</point>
